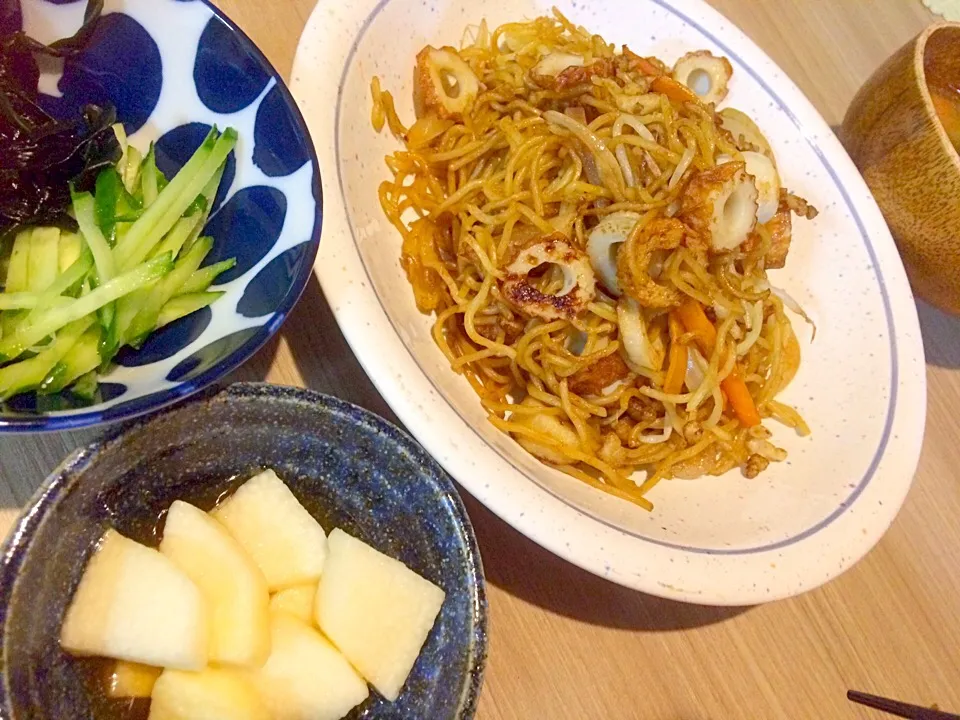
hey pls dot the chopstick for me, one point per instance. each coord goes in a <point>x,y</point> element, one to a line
<point>900,709</point>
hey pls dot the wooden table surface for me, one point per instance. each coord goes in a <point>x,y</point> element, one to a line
<point>565,644</point>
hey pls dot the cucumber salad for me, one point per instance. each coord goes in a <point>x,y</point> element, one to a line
<point>72,298</point>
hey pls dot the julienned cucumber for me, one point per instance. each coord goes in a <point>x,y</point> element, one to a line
<point>146,319</point>
<point>182,305</point>
<point>80,359</point>
<point>48,322</point>
<point>205,276</point>
<point>28,374</point>
<point>176,197</point>
<point>69,301</point>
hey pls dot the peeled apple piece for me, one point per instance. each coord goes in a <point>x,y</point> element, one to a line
<point>297,601</point>
<point>135,604</point>
<point>213,694</point>
<point>283,539</point>
<point>233,587</point>
<point>376,610</point>
<point>306,678</point>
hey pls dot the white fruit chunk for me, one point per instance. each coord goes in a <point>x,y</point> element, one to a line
<point>135,604</point>
<point>306,678</point>
<point>376,610</point>
<point>284,540</point>
<point>209,695</point>
<point>298,601</point>
<point>132,680</point>
<point>233,588</point>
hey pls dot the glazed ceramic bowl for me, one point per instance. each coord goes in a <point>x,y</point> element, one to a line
<point>894,135</point>
<point>172,69</point>
<point>861,384</point>
<point>348,467</point>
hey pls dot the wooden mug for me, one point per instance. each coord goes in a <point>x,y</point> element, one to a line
<point>895,137</point>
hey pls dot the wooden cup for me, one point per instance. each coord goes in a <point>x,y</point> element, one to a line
<point>895,137</point>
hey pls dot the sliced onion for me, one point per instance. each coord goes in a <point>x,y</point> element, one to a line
<point>793,306</point>
<point>657,439</point>
<point>695,377</point>
<point>633,122</point>
<point>611,387</point>
<point>740,125</point>
<point>555,63</point>
<point>633,335</point>
<point>682,167</point>
<point>628,176</point>
<point>754,327</point>
<point>606,162</point>
<point>590,168</point>
<point>621,152</point>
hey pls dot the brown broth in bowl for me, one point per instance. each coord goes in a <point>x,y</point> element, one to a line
<point>947,105</point>
<point>942,70</point>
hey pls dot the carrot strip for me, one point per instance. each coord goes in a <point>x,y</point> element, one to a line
<point>645,66</point>
<point>677,364</point>
<point>695,321</point>
<point>740,400</point>
<point>674,90</point>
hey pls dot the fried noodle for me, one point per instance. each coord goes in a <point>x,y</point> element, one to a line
<point>588,234</point>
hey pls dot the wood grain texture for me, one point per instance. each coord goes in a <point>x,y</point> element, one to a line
<point>565,644</point>
<point>896,139</point>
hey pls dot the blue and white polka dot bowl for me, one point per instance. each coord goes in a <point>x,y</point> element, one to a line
<point>173,68</point>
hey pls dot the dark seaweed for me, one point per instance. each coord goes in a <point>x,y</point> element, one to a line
<point>39,155</point>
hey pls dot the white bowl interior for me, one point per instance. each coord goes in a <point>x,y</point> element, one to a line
<point>845,382</point>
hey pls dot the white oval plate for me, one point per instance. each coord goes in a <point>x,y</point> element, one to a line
<point>861,385</point>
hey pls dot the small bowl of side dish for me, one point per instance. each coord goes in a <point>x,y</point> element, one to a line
<point>223,512</point>
<point>149,262</point>
<point>520,121</point>
<point>903,131</point>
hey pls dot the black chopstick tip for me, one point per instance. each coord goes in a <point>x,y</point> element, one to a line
<point>900,709</point>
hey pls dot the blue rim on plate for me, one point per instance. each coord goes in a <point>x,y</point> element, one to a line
<point>888,313</point>
<point>252,341</point>
<point>350,469</point>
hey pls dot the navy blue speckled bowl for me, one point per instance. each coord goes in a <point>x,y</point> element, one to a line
<point>350,469</point>
<point>173,69</point>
